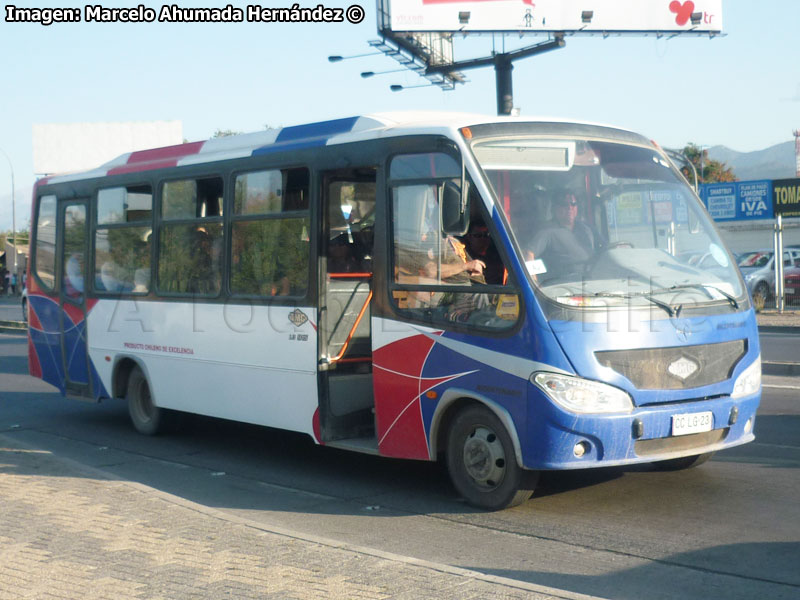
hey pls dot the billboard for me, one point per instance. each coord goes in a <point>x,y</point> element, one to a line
<point>70,147</point>
<point>593,17</point>
<point>738,200</point>
<point>786,195</point>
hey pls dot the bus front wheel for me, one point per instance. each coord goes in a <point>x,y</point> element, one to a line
<point>482,464</point>
<point>146,417</point>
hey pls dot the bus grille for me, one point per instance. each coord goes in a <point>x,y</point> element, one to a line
<point>677,368</point>
<point>680,443</point>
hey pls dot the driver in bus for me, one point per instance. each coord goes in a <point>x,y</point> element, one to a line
<point>565,243</point>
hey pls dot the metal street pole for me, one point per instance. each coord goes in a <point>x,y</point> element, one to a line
<point>13,209</point>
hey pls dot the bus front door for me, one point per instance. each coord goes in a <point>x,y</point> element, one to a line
<point>73,254</point>
<point>348,216</point>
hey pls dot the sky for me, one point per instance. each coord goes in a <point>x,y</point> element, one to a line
<point>741,90</point>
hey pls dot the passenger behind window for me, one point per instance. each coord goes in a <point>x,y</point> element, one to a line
<point>565,243</point>
<point>74,279</point>
<point>481,248</point>
<point>141,281</point>
<point>110,277</point>
<point>201,276</point>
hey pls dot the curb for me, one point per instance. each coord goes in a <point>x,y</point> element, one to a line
<point>19,327</point>
<point>778,329</point>
<point>780,368</point>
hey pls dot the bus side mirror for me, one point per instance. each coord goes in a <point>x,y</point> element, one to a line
<point>455,208</point>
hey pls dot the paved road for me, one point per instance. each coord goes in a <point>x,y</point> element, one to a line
<point>729,529</point>
<point>780,347</point>
<point>10,309</point>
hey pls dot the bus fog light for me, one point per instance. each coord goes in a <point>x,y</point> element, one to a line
<point>580,449</point>
<point>734,415</point>
<point>748,425</point>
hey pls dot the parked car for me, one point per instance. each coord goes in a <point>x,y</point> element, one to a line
<point>791,285</point>
<point>758,269</point>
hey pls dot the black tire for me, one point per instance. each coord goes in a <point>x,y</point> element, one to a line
<point>685,462</point>
<point>482,464</point>
<point>146,417</point>
<point>25,309</point>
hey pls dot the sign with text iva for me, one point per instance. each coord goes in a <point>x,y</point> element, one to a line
<point>786,197</point>
<point>738,200</point>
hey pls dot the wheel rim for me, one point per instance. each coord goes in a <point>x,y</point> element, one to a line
<point>143,406</point>
<point>484,458</point>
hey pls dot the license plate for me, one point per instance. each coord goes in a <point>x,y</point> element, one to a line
<point>789,290</point>
<point>692,423</point>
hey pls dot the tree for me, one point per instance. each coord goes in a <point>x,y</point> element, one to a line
<point>708,170</point>
<point>22,237</point>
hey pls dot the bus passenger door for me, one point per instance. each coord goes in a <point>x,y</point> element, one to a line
<point>73,258</point>
<point>348,218</point>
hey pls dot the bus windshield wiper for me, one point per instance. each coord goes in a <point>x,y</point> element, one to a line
<point>701,286</point>
<point>646,295</point>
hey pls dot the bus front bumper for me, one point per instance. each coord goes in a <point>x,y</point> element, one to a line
<point>559,439</point>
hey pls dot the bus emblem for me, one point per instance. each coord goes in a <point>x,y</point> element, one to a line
<point>297,317</point>
<point>683,368</point>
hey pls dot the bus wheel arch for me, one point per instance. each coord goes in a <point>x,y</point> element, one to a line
<point>122,371</point>
<point>481,454</point>
<point>146,417</point>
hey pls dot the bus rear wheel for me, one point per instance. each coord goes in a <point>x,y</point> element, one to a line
<point>482,464</point>
<point>146,417</point>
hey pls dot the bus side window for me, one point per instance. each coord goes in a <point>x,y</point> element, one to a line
<point>425,256</point>
<point>191,237</point>
<point>270,233</point>
<point>351,218</point>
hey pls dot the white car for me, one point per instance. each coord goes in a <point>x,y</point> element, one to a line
<point>758,269</point>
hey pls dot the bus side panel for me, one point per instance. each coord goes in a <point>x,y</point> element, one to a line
<point>413,369</point>
<point>255,364</point>
<point>398,359</point>
<point>44,334</point>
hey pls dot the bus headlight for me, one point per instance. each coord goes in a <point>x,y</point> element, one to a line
<point>581,395</point>
<point>749,382</point>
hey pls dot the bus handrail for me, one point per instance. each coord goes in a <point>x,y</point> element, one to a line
<point>350,335</point>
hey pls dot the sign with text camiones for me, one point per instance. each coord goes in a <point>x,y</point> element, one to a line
<point>738,200</point>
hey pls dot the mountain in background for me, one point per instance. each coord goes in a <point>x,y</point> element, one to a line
<point>775,162</point>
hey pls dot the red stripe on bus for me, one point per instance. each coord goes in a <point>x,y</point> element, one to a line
<point>157,158</point>
<point>133,168</point>
<point>178,151</point>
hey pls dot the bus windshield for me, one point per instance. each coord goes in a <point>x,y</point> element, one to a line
<point>604,223</point>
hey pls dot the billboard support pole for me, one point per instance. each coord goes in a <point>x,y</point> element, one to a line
<point>505,92</point>
<point>503,67</point>
<point>778,242</point>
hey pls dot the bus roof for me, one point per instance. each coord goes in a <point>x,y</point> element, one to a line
<point>323,133</point>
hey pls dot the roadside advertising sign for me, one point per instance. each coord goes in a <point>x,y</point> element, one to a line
<point>786,197</point>
<point>738,200</point>
<point>574,17</point>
